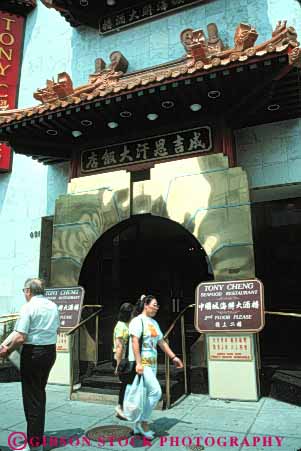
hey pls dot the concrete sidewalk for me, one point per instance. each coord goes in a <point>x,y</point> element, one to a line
<point>195,416</point>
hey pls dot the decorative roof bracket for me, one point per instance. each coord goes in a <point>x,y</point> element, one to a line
<point>103,77</point>
<point>205,51</point>
<point>198,47</point>
<point>54,91</point>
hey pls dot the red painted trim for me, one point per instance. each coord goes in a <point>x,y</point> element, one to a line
<point>11,44</point>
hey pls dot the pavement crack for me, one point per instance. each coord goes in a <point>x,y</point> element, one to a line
<point>253,422</point>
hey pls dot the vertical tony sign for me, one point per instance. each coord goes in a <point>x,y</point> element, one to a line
<point>11,39</point>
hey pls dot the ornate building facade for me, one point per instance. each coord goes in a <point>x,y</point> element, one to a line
<point>178,161</point>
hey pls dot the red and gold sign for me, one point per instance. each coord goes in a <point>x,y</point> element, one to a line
<point>11,38</point>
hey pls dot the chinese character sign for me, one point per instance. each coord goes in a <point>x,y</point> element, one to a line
<point>143,11</point>
<point>11,38</point>
<point>230,347</point>
<point>6,158</point>
<point>230,306</point>
<point>62,344</point>
<point>167,146</point>
<point>69,302</point>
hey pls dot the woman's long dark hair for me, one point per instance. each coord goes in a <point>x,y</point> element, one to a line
<point>125,312</point>
<point>144,300</point>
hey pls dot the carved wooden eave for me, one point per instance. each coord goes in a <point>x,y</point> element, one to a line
<point>200,58</point>
<point>62,7</point>
<point>19,7</point>
<point>249,76</point>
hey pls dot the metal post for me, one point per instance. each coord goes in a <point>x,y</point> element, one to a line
<point>184,353</point>
<point>258,361</point>
<point>96,338</point>
<point>167,378</point>
<point>71,344</point>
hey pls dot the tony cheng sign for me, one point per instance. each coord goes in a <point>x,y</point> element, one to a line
<point>69,301</point>
<point>11,41</point>
<point>230,306</point>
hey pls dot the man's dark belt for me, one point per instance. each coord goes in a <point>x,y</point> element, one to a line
<point>39,346</point>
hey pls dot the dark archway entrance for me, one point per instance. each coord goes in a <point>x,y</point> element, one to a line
<point>144,255</point>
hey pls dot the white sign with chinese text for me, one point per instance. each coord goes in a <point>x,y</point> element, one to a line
<point>230,347</point>
<point>62,344</point>
<point>233,376</point>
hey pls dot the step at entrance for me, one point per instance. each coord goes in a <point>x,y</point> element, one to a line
<point>101,380</point>
<point>282,382</point>
<point>286,386</point>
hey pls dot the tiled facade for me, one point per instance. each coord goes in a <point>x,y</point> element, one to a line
<point>271,154</point>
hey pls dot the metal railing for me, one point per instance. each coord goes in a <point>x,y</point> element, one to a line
<point>71,334</point>
<point>180,317</point>
<point>5,319</point>
<point>295,315</point>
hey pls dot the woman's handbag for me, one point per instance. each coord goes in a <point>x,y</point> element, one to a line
<point>14,356</point>
<point>127,368</point>
<point>134,399</point>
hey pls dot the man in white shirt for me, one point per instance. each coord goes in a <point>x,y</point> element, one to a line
<point>36,330</point>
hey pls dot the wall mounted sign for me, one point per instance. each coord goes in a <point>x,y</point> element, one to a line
<point>6,158</point>
<point>230,306</point>
<point>143,11</point>
<point>11,39</point>
<point>168,146</point>
<point>230,347</point>
<point>69,301</point>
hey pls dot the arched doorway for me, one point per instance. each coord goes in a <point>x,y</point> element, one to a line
<point>142,255</point>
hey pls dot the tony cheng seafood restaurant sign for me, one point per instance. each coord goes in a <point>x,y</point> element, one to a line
<point>231,306</point>
<point>69,301</point>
